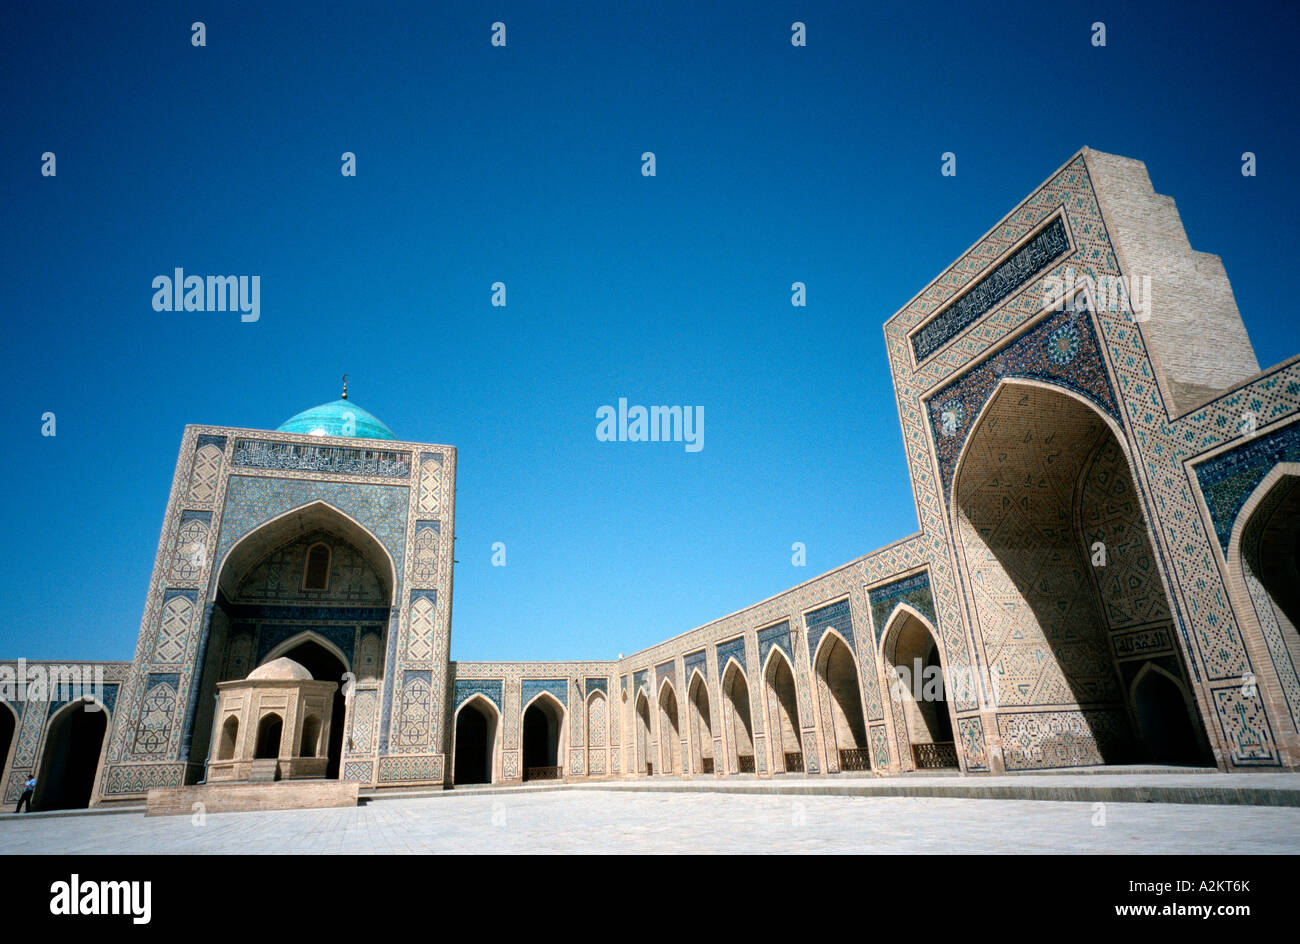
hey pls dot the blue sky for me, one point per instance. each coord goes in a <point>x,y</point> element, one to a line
<point>522,164</point>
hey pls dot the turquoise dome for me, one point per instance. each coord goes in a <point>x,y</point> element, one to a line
<point>340,418</point>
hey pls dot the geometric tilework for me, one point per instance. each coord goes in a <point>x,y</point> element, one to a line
<point>491,689</point>
<point>1026,262</point>
<point>1038,354</point>
<point>913,590</point>
<point>779,636</point>
<point>531,688</point>
<point>837,616</point>
<point>1229,478</point>
<point>732,649</point>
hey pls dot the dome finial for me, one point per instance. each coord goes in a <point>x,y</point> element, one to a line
<point>345,387</point>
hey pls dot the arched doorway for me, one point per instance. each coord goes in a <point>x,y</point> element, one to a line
<point>270,737</point>
<point>738,728</point>
<point>669,729</point>
<point>701,725</point>
<point>783,714</point>
<point>1264,555</point>
<point>1164,718</point>
<point>643,763</point>
<point>8,727</point>
<point>840,698</point>
<point>476,728</point>
<point>543,726</point>
<point>313,574</point>
<point>325,665</point>
<point>229,739</point>
<point>1052,535</point>
<point>74,744</point>
<point>914,674</point>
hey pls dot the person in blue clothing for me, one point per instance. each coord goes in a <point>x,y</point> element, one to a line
<point>26,799</point>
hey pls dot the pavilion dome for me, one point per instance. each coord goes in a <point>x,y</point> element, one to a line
<point>280,670</point>
<point>341,418</point>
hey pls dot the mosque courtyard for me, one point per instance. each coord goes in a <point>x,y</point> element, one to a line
<point>617,820</point>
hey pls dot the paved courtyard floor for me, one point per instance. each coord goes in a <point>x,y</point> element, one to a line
<point>613,821</point>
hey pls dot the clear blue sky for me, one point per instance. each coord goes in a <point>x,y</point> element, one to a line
<point>522,164</point>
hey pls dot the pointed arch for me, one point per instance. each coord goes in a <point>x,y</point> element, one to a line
<point>71,764</point>
<point>700,723</point>
<point>837,679</point>
<point>476,741</point>
<point>669,727</point>
<point>256,576</point>
<point>316,567</point>
<point>782,699</point>
<point>317,514</point>
<point>9,727</point>
<point>1166,716</point>
<point>737,723</point>
<point>914,668</point>
<point>307,635</point>
<point>1044,483</point>
<point>644,737</point>
<point>544,728</point>
<point>1263,571</point>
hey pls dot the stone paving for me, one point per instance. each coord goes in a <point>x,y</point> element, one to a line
<point>619,821</point>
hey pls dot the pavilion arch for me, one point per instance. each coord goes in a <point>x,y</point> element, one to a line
<point>307,635</point>
<point>923,719</point>
<point>8,738</point>
<point>839,696</point>
<point>641,721</point>
<point>259,582</point>
<point>782,699</point>
<point>544,729</point>
<point>1263,563</point>
<point>476,741</point>
<point>72,755</point>
<point>737,723</point>
<point>670,728</point>
<point>1046,518</point>
<point>700,724</point>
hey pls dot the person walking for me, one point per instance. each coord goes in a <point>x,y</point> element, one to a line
<point>26,799</point>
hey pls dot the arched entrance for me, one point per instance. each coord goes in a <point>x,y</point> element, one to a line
<point>840,698</point>
<point>701,725</point>
<point>74,744</point>
<point>270,737</point>
<point>1058,563</point>
<point>914,674</point>
<point>8,727</point>
<point>643,763</point>
<point>1162,709</point>
<point>783,714</point>
<point>669,729</point>
<point>738,728</point>
<point>1264,555</point>
<point>325,664</point>
<point>474,747</point>
<point>543,726</point>
<point>312,585</point>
